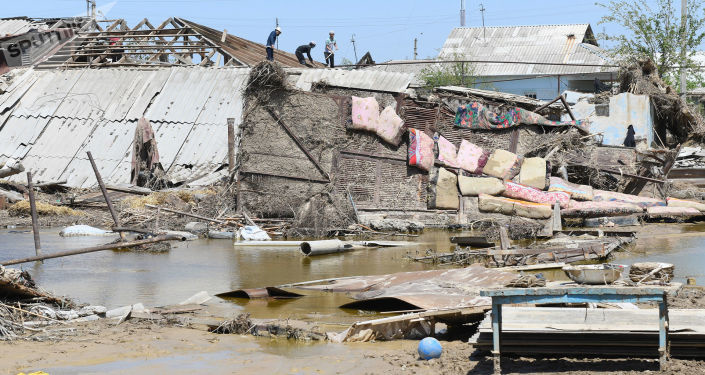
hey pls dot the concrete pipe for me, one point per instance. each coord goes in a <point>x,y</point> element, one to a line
<point>310,248</point>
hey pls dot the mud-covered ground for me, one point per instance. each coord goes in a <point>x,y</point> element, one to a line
<point>139,347</point>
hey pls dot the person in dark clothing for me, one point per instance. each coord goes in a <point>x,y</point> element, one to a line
<point>629,140</point>
<point>271,41</point>
<point>305,48</point>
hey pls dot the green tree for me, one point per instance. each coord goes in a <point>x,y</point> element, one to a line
<point>454,72</point>
<point>657,34</point>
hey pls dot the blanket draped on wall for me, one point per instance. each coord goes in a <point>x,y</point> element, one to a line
<point>477,116</point>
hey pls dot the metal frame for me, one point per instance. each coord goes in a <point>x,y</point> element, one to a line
<point>605,294</point>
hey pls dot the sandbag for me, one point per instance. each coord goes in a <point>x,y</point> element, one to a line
<point>596,209</point>
<point>534,172</point>
<point>527,193</point>
<point>365,113</point>
<point>473,186</point>
<point>447,153</point>
<point>577,192</point>
<point>420,150</point>
<point>661,211</point>
<point>502,164</point>
<point>612,196</point>
<point>508,206</point>
<point>443,190</point>
<point>675,202</point>
<point>471,157</point>
<point>389,126</point>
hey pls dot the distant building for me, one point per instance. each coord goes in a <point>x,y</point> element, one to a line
<point>524,55</point>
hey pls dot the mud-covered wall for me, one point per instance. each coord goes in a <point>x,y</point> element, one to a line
<point>278,178</point>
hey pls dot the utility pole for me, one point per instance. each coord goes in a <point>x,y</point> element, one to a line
<point>276,24</point>
<point>462,13</point>
<point>482,10</point>
<point>415,41</point>
<point>352,39</point>
<point>684,24</point>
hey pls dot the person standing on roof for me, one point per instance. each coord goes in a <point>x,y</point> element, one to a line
<point>271,41</point>
<point>329,52</point>
<point>305,48</point>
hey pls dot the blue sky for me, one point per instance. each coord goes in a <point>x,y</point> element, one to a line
<point>385,28</point>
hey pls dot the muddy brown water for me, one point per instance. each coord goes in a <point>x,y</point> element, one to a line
<point>117,278</point>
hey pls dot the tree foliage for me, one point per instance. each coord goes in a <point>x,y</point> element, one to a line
<point>451,73</point>
<point>657,34</point>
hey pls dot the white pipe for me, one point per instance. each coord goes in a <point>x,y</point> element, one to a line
<point>310,248</point>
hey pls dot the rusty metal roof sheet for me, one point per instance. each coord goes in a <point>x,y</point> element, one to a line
<point>430,290</point>
<point>357,79</point>
<point>565,44</point>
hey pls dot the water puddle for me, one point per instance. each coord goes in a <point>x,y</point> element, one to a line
<point>116,278</point>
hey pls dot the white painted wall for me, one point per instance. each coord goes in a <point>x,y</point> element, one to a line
<point>624,109</point>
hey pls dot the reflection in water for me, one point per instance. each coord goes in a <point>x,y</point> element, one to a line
<point>115,278</point>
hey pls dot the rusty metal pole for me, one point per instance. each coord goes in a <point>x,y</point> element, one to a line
<point>105,194</point>
<point>33,210</point>
<point>231,146</point>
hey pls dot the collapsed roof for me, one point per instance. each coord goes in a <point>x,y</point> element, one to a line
<point>175,41</point>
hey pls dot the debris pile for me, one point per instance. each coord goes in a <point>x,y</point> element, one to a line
<point>673,114</point>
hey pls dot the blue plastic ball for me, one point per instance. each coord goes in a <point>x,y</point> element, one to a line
<point>430,348</point>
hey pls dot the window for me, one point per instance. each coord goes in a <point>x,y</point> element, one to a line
<point>530,94</point>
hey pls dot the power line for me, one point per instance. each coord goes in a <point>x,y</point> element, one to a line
<point>487,62</point>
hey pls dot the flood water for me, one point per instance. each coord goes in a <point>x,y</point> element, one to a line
<point>117,278</point>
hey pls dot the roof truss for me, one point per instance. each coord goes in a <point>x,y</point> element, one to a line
<point>114,43</point>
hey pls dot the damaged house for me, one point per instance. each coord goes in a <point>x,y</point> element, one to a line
<point>156,100</point>
<point>90,94</point>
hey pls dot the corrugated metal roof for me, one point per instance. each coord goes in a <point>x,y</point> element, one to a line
<point>55,148</point>
<point>54,117</point>
<point>110,144</point>
<point>47,93</point>
<point>569,44</point>
<point>14,26</point>
<point>357,79</point>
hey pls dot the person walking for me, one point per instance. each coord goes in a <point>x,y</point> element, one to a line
<point>331,47</point>
<point>271,41</point>
<point>305,48</point>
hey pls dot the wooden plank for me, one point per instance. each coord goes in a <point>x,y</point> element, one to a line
<point>504,243</point>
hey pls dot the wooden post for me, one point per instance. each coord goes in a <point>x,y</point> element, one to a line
<point>110,246</point>
<point>556,218</point>
<point>231,146</point>
<point>503,238</point>
<point>33,210</point>
<point>105,194</point>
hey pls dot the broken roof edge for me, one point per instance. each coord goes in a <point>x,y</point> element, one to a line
<point>495,95</point>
